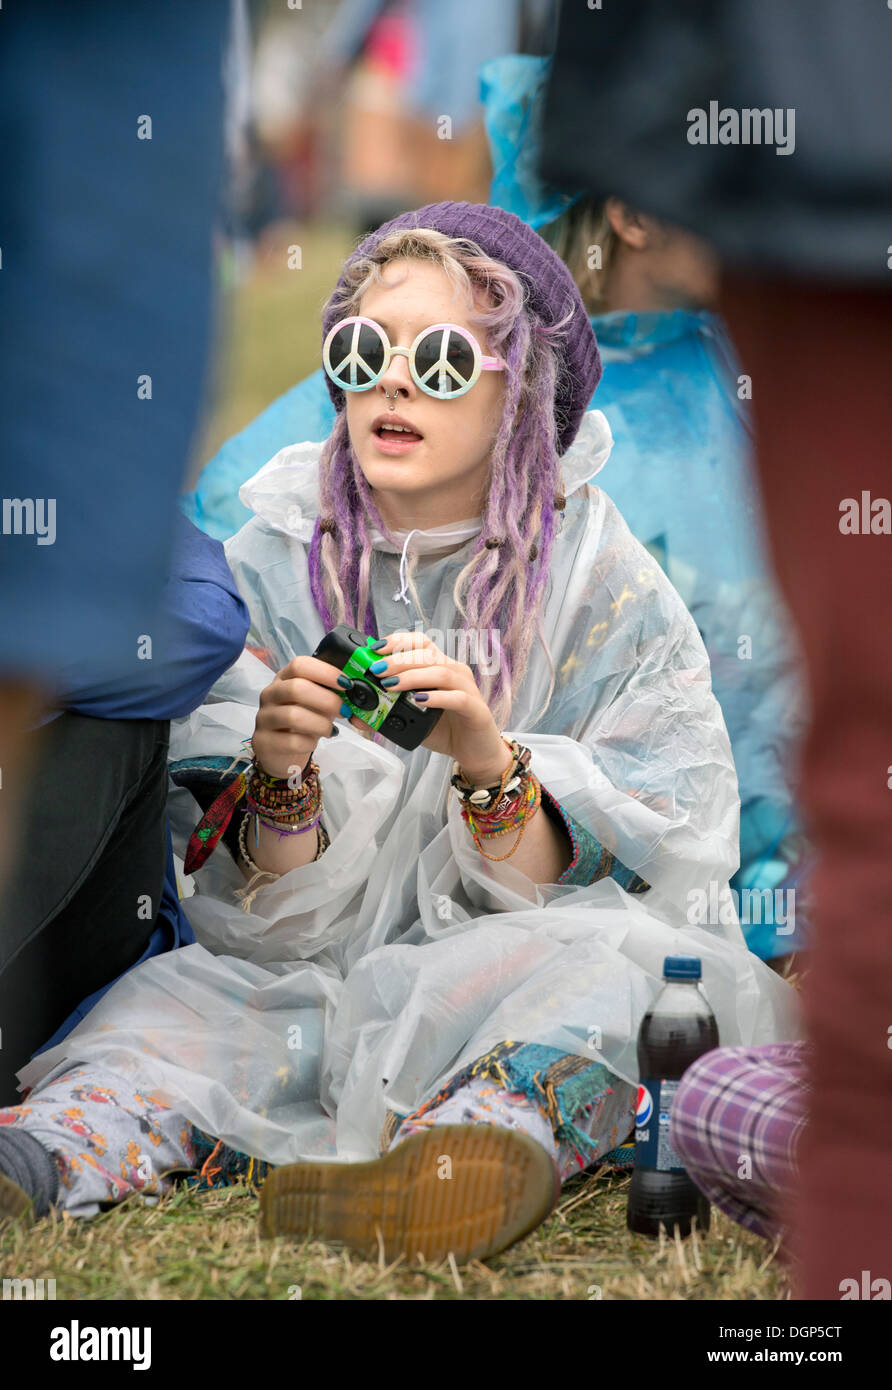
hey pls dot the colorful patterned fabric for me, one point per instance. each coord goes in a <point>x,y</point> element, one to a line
<point>208,779</point>
<point>109,1138</point>
<point>484,1102</point>
<point>209,830</point>
<point>736,1122</point>
<point>588,1110</point>
<point>217,1165</point>
<point>591,860</point>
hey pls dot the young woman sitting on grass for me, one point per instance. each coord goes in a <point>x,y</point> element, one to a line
<point>420,974</point>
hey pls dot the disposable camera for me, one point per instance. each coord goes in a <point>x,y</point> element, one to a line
<point>395,715</point>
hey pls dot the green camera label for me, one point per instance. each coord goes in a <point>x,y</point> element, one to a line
<point>356,667</point>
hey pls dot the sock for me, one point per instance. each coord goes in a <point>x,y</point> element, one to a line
<point>28,1163</point>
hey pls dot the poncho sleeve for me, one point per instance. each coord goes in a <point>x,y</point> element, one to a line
<point>633,745</point>
<point>310,908</point>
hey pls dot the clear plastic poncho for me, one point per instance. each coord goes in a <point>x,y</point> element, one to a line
<point>363,981</point>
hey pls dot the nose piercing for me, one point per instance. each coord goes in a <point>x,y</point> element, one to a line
<point>387,398</point>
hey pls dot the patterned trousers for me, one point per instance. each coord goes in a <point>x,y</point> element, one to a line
<point>108,1138</point>
<point>736,1123</point>
<point>111,1140</point>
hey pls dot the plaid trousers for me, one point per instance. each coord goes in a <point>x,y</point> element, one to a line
<point>736,1121</point>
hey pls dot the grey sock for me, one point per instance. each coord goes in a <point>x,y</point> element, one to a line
<point>24,1159</point>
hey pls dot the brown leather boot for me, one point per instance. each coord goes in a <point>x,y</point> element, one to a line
<point>470,1190</point>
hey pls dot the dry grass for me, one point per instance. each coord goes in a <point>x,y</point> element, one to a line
<point>206,1245</point>
<point>269,329</point>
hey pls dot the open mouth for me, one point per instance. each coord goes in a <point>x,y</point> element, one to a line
<point>395,436</point>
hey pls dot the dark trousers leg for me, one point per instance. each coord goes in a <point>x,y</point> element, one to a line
<point>81,902</point>
<point>821,361</point>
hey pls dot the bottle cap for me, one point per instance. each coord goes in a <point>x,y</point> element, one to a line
<point>682,968</point>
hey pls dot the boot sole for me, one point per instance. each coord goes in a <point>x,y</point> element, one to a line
<point>15,1204</point>
<point>468,1190</point>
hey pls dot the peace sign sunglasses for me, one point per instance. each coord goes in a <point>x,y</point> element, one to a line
<point>445,360</point>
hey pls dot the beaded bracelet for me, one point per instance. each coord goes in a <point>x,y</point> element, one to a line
<point>280,784</point>
<point>294,823</point>
<point>499,809</point>
<point>322,844</point>
<point>483,798</point>
<point>499,801</point>
<point>529,806</point>
<point>286,809</point>
<point>504,810</point>
<point>274,799</point>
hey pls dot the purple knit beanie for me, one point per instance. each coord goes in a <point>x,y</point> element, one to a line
<point>551,291</point>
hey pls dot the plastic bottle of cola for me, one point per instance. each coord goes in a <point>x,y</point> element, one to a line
<point>674,1032</point>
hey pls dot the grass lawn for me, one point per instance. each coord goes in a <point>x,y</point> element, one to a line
<point>206,1245</point>
<point>269,329</point>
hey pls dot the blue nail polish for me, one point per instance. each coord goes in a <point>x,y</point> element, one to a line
<point>378,643</point>
<point>346,711</point>
<point>421,695</point>
<point>377,667</point>
<point>345,682</point>
<point>390,680</point>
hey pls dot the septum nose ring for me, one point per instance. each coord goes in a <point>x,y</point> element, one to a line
<point>387,398</point>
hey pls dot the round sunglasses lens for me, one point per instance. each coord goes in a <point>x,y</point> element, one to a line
<point>359,365</point>
<point>435,352</point>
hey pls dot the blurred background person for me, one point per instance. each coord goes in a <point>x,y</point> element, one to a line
<point>116,614</point>
<point>110,162</point>
<point>805,238</point>
<point>413,131</point>
<point>359,109</point>
<point>681,473</point>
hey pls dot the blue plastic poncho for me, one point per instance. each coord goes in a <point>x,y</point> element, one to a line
<point>681,474</point>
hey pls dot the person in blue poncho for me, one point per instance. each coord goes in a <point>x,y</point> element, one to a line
<point>676,401</point>
<point>680,471</point>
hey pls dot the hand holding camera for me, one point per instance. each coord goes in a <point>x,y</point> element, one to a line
<point>407,688</point>
<point>390,685</point>
<point>368,692</point>
<point>296,710</point>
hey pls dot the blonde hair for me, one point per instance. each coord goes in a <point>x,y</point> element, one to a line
<point>574,236</point>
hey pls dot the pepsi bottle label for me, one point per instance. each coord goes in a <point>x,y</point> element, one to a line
<point>652,1147</point>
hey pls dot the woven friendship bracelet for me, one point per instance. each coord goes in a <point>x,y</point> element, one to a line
<point>276,799</point>
<point>272,797</point>
<point>528,802</point>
